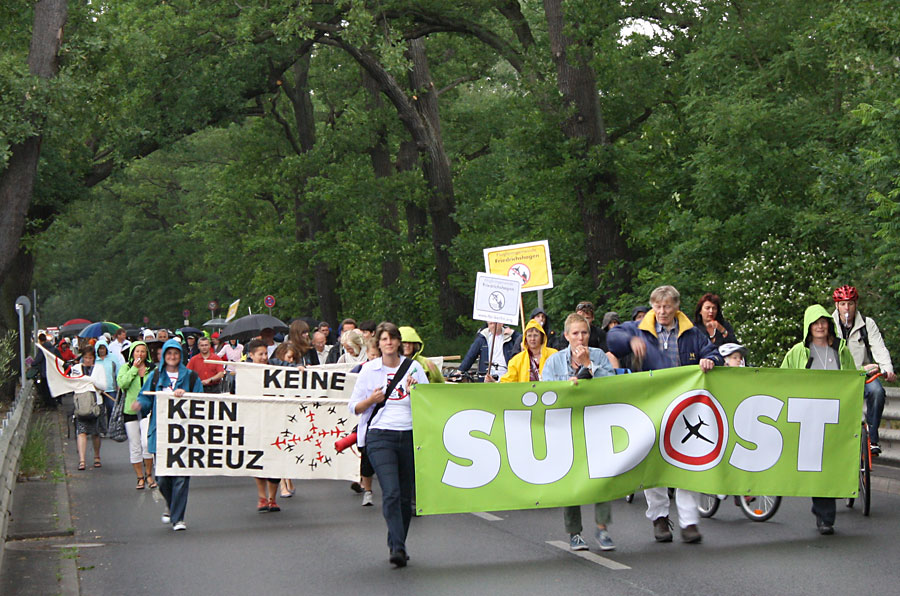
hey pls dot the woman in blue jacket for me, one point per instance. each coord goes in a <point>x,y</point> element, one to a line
<point>171,377</point>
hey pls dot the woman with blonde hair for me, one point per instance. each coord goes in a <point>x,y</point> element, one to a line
<point>354,343</point>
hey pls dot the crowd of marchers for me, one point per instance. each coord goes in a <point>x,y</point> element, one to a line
<point>390,360</point>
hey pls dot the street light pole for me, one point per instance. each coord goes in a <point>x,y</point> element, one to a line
<point>20,310</point>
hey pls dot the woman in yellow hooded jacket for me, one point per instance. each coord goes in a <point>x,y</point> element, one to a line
<point>528,364</point>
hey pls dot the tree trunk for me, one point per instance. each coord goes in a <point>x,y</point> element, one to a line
<point>416,217</point>
<point>388,214</point>
<point>308,222</point>
<point>576,81</point>
<point>16,283</point>
<point>441,199</point>
<point>17,181</point>
<point>422,124</point>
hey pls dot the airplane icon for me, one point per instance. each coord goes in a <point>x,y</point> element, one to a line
<point>694,430</point>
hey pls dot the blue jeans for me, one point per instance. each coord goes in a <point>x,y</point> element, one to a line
<point>874,396</point>
<point>175,490</point>
<point>391,454</point>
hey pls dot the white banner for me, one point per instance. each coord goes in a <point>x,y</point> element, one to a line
<point>334,382</point>
<point>59,382</point>
<point>227,435</point>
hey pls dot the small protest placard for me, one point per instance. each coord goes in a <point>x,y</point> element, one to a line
<point>529,262</point>
<point>497,299</point>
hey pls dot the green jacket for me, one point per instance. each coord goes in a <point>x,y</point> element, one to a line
<point>799,357</point>
<point>408,334</point>
<point>129,380</point>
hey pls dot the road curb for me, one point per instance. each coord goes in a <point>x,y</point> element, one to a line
<point>68,567</point>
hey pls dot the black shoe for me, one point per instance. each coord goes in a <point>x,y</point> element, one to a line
<point>824,529</point>
<point>662,529</point>
<point>875,449</point>
<point>356,487</point>
<point>398,558</point>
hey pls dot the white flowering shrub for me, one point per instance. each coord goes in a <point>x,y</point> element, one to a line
<point>768,291</point>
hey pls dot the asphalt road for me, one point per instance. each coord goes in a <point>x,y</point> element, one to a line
<point>324,542</point>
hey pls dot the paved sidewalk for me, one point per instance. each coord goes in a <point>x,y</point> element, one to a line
<point>39,557</point>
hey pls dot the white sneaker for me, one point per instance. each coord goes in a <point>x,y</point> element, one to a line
<point>166,518</point>
<point>367,499</point>
<point>179,526</point>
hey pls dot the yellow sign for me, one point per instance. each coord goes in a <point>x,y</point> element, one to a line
<point>232,310</point>
<point>529,262</point>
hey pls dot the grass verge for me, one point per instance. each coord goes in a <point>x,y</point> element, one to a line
<point>36,458</point>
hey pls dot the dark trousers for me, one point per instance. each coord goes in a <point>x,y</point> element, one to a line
<point>391,454</point>
<point>572,516</point>
<point>175,491</point>
<point>874,396</point>
<point>824,508</point>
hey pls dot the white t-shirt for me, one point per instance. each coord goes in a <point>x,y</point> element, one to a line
<point>396,413</point>
<point>173,378</point>
<point>118,348</point>
<point>498,358</point>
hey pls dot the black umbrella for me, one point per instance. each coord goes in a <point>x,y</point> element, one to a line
<point>220,322</point>
<point>72,330</point>
<point>191,331</point>
<point>251,326</point>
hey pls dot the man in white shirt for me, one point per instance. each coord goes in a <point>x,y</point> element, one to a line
<point>119,344</point>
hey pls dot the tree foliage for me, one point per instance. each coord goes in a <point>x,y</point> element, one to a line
<point>183,166</point>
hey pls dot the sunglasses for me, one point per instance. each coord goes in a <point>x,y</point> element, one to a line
<point>585,306</point>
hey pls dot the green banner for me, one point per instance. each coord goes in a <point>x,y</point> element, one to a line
<point>751,431</point>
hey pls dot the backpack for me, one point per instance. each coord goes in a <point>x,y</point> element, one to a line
<point>86,406</point>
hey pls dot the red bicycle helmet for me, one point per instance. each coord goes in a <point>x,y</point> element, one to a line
<point>845,293</point>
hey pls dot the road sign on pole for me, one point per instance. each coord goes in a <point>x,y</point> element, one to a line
<point>269,302</point>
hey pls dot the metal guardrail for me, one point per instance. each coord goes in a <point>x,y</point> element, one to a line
<point>13,429</point>
<point>890,437</point>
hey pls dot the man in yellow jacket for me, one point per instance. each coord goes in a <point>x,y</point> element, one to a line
<point>528,364</point>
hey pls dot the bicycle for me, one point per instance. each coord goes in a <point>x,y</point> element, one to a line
<point>865,462</point>
<point>758,508</point>
<point>865,472</point>
<point>469,376</point>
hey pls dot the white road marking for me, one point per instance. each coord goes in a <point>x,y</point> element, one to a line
<point>592,557</point>
<point>486,516</point>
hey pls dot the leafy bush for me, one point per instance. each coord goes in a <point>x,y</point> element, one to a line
<point>8,361</point>
<point>769,289</point>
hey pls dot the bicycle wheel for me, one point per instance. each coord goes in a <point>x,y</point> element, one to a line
<point>708,505</point>
<point>759,507</point>
<point>865,473</point>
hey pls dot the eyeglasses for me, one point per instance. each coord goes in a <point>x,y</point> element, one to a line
<point>585,306</point>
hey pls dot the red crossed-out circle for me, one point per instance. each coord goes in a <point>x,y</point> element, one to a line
<point>720,425</point>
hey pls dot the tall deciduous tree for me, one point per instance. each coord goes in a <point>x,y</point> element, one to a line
<point>17,179</point>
